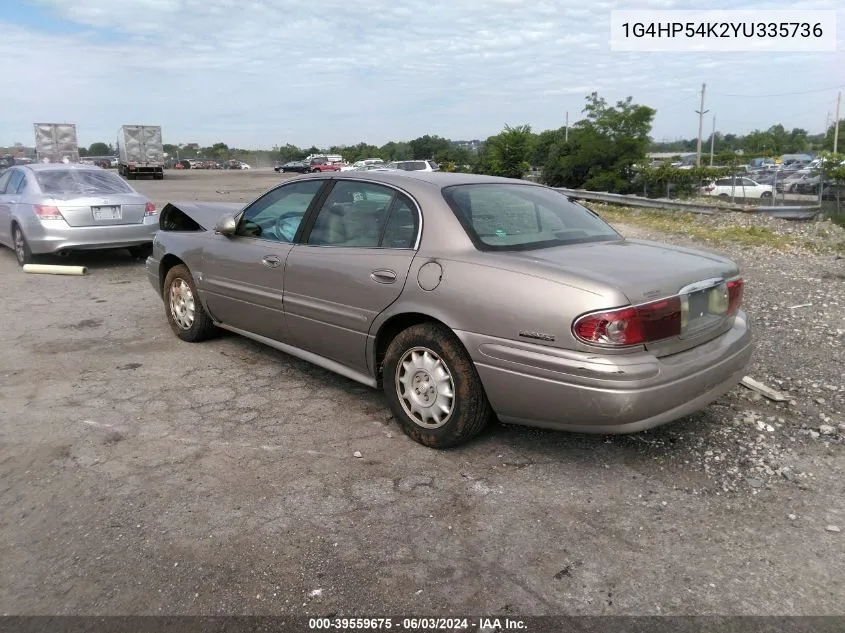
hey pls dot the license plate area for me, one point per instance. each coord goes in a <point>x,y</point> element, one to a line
<point>703,308</point>
<point>106,213</point>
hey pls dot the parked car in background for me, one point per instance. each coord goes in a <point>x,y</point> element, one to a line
<point>800,182</point>
<point>367,162</point>
<point>414,165</point>
<point>295,166</point>
<point>56,208</point>
<point>737,187</point>
<point>578,329</point>
<point>323,164</point>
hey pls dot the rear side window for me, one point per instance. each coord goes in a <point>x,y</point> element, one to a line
<point>508,217</point>
<point>80,182</point>
<point>14,181</point>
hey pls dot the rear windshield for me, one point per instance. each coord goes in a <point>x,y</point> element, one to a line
<point>412,165</point>
<point>80,182</point>
<point>509,217</point>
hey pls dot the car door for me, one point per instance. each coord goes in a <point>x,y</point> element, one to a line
<point>10,181</point>
<point>350,266</point>
<point>243,274</point>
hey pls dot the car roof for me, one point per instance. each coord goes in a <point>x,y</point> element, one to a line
<point>61,166</point>
<point>437,178</point>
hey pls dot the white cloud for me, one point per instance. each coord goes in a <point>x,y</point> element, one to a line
<point>340,71</point>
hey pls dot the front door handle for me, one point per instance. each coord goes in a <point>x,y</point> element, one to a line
<point>271,261</point>
<point>383,276</point>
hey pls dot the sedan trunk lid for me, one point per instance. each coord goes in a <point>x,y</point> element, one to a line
<point>647,271</point>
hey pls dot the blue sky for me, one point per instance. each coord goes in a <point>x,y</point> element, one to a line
<point>261,73</point>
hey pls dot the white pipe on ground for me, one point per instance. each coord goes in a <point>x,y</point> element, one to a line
<point>50,269</point>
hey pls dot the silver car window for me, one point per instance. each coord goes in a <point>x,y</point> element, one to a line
<point>276,215</point>
<point>354,215</point>
<point>69,183</point>
<point>523,217</point>
<point>15,179</point>
<point>4,180</point>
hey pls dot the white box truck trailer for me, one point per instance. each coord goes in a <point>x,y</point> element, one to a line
<point>140,151</point>
<point>56,143</point>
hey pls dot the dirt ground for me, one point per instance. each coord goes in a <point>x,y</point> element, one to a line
<point>144,475</point>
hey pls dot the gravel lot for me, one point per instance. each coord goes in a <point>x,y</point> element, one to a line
<point>141,474</point>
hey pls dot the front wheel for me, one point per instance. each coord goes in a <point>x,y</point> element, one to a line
<point>433,388</point>
<point>185,314</point>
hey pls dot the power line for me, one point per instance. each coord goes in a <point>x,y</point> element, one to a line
<point>784,94</point>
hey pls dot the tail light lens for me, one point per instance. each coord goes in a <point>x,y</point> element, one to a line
<point>47,213</point>
<point>633,325</point>
<point>735,288</point>
<point>150,209</point>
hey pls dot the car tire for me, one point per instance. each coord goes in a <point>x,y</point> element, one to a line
<point>185,313</point>
<point>141,251</point>
<point>724,195</point>
<point>21,247</point>
<point>766,194</point>
<point>430,356</point>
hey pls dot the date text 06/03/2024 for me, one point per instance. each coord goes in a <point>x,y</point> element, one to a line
<point>420,625</point>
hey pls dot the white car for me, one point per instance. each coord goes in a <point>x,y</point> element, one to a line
<point>737,187</point>
<point>414,165</point>
<point>367,162</point>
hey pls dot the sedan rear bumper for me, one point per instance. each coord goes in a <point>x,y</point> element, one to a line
<point>590,393</point>
<point>52,236</point>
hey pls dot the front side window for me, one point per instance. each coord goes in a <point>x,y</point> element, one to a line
<point>365,215</point>
<point>509,217</point>
<point>276,215</point>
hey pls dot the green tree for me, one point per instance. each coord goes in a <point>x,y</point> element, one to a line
<point>428,146</point>
<point>396,151</point>
<point>827,143</point>
<point>603,147</point>
<point>100,149</point>
<point>509,152</point>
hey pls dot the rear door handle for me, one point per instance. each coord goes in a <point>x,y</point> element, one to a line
<point>271,261</point>
<point>383,276</point>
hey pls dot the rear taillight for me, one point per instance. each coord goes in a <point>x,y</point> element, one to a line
<point>735,287</point>
<point>632,325</point>
<point>150,209</point>
<point>47,213</point>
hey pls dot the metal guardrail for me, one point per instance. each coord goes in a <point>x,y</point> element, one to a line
<point>786,212</point>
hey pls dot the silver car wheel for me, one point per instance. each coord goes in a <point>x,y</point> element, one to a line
<point>182,305</point>
<point>20,245</point>
<point>425,388</point>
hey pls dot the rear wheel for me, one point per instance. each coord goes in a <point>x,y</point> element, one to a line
<point>766,194</point>
<point>22,252</point>
<point>433,388</point>
<point>185,314</point>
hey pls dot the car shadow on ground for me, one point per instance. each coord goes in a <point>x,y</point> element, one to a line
<point>94,260</point>
<point>518,446</point>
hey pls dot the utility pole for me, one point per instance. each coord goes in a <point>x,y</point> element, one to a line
<point>836,123</point>
<point>712,139</point>
<point>701,114</point>
<point>566,133</point>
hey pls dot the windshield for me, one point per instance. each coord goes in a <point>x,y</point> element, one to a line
<point>523,217</point>
<point>80,182</point>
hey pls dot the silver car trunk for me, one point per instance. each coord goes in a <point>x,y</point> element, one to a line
<point>99,211</point>
<point>645,272</point>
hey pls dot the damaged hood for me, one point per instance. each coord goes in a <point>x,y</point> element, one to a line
<point>205,214</point>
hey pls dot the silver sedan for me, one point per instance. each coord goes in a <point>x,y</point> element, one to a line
<point>461,297</point>
<point>48,208</point>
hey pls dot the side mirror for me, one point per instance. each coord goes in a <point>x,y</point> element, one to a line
<point>226,225</point>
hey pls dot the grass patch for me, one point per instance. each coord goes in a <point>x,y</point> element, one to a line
<point>687,224</point>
